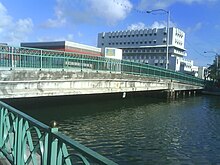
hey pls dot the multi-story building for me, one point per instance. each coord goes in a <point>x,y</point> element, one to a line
<point>147,45</point>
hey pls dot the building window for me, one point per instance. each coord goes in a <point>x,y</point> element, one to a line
<point>149,42</point>
<point>132,42</point>
<point>102,44</point>
<point>109,43</point>
<point>155,34</point>
<point>141,42</point>
<point>155,41</point>
<point>136,42</point>
<point>141,35</point>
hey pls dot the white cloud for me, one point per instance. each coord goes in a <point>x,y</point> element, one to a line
<point>195,28</point>
<point>13,31</point>
<point>156,24</point>
<point>151,4</point>
<point>137,26</point>
<point>89,11</point>
<point>68,37</point>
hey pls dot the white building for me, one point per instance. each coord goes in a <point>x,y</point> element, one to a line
<point>147,45</point>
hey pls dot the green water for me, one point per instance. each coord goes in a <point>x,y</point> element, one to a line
<point>137,130</point>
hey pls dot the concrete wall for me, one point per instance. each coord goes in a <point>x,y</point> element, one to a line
<point>35,83</point>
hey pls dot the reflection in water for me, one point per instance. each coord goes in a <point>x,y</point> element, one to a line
<point>140,130</point>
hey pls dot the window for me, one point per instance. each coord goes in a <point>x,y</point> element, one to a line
<point>145,34</point>
<point>136,42</point>
<point>132,42</point>
<point>141,42</point>
<point>149,42</point>
<point>102,44</point>
<point>155,41</point>
<point>141,35</point>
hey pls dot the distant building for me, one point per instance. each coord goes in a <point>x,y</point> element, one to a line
<point>66,46</point>
<point>202,72</point>
<point>147,45</point>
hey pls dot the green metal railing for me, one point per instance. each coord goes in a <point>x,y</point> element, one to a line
<point>24,140</point>
<point>20,57</point>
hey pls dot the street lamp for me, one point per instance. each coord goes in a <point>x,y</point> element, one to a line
<point>168,23</point>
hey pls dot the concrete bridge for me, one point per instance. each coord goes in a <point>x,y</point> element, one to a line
<point>36,83</point>
<point>29,72</point>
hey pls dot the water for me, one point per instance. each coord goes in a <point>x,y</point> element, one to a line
<point>139,130</point>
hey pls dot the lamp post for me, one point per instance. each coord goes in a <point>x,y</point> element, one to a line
<point>168,26</point>
<point>217,60</point>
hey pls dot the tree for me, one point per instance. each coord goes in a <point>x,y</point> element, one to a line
<point>213,71</point>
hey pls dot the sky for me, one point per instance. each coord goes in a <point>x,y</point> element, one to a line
<point>81,20</point>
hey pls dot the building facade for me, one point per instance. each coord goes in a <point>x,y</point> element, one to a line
<point>147,45</point>
<point>67,46</point>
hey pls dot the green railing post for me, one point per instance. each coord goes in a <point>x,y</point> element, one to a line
<point>81,63</point>
<point>41,60</point>
<point>19,133</point>
<point>52,148</point>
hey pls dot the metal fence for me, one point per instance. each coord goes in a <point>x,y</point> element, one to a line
<point>20,57</point>
<point>24,140</point>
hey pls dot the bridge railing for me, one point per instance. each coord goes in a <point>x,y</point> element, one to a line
<point>24,140</point>
<point>20,57</point>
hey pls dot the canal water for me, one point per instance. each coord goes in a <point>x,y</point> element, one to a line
<point>137,130</point>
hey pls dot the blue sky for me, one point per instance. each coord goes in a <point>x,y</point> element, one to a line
<point>81,20</point>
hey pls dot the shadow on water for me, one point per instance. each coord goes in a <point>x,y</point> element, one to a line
<point>47,109</point>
